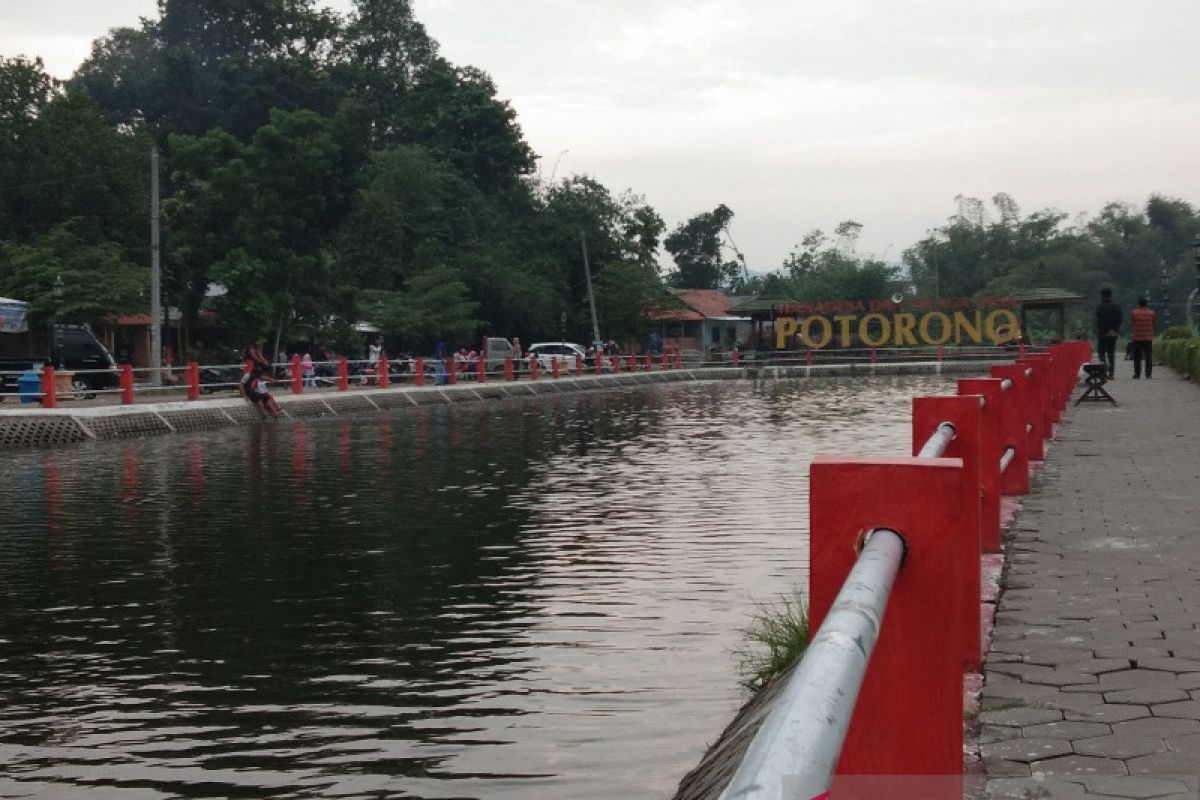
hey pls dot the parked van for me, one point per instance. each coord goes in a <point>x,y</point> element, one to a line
<point>74,348</point>
<point>498,349</point>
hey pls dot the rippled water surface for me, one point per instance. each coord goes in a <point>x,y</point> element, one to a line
<point>527,599</point>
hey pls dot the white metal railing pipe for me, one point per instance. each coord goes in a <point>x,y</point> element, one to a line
<point>1006,458</point>
<point>1006,385</point>
<point>938,441</point>
<point>796,750</point>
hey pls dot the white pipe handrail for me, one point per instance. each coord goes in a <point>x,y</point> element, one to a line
<point>938,441</point>
<point>796,749</point>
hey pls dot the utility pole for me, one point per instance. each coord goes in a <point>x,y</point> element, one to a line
<point>155,277</point>
<point>587,271</point>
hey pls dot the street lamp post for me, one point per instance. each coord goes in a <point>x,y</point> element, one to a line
<point>58,290</point>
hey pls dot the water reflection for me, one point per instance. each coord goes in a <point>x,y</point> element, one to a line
<point>527,599</point>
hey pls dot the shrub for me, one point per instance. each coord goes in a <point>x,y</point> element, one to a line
<point>1177,332</point>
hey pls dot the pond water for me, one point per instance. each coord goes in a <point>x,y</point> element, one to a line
<point>521,599</point>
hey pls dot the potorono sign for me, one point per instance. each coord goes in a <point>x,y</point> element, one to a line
<point>913,322</point>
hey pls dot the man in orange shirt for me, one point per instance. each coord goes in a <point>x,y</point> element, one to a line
<point>1143,319</point>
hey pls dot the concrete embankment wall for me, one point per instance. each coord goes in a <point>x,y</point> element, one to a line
<point>32,426</point>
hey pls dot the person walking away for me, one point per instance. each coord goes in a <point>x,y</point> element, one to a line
<point>1108,326</point>
<point>1142,319</point>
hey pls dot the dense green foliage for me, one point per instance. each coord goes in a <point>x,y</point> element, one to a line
<point>775,639</point>
<point>1180,352</point>
<point>326,169</point>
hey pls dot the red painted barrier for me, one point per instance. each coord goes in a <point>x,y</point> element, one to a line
<point>733,356</point>
<point>452,370</point>
<point>533,369</point>
<point>297,375</point>
<point>193,380</point>
<point>481,371</point>
<point>49,390</point>
<point>990,450</point>
<point>1014,434</point>
<point>343,374</point>
<point>616,363</point>
<point>808,356</point>
<point>648,363</point>
<point>632,362</point>
<point>965,414</point>
<point>554,368</point>
<point>126,384</point>
<point>665,362</point>
<point>419,372</point>
<point>578,365</point>
<point>909,716</point>
<point>1036,377</point>
<point>383,373</point>
<point>678,359</point>
<point>874,356</point>
<point>599,356</point>
<point>939,354</point>
<point>508,369</point>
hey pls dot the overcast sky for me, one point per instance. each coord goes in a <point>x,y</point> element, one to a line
<point>798,115</point>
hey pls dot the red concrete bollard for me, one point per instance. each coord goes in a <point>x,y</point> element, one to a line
<point>578,365</point>
<point>665,363</point>
<point>481,371</point>
<point>678,359</point>
<point>343,374</point>
<point>554,368</point>
<point>1014,434</point>
<point>599,358</point>
<point>452,370</point>
<point>297,375</point>
<point>965,414</point>
<point>508,369</point>
<point>533,368</point>
<point>419,371</point>
<point>907,725</point>
<point>126,384</point>
<point>990,450</point>
<point>734,357</point>
<point>384,373</point>
<point>1035,369</point>
<point>616,363</point>
<point>874,356</point>
<point>193,380</point>
<point>49,390</point>
<point>648,363</point>
<point>632,362</point>
<point>939,354</point>
<point>808,356</point>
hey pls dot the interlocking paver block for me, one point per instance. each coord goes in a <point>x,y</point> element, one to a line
<point>1147,695</point>
<point>1068,766</point>
<point>1120,746</point>
<point>1040,787</point>
<point>1157,726</point>
<point>1067,730</point>
<point>1133,787</point>
<point>1096,666</point>
<point>1020,716</point>
<point>1027,750</point>
<point>1170,664</point>
<point>1188,709</point>
<point>1106,712</point>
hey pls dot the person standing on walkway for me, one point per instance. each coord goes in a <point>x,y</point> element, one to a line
<point>1142,320</point>
<point>1108,326</point>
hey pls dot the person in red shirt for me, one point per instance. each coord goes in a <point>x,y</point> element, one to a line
<point>1143,319</point>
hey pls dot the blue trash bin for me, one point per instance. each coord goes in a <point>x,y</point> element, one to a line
<point>29,386</point>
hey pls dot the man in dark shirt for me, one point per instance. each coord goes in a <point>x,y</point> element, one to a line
<point>1108,325</point>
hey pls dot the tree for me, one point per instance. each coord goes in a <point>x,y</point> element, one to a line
<point>818,269</point>
<point>697,246</point>
<point>433,305</point>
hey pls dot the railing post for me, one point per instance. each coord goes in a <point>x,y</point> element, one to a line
<point>383,373</point>
<point>49,390</point>
<point>990,450</point>
<point>192,370</point>
<point>598,358</point>
<point>678,359</point>
<point>734,357</point>
<point>578,365</point>
<point>964,413</point>
<point>1015,479</point>
<point>343,374</point>
<point>939,354</point>
<point>419,371</point>
<point>905,737</point>
<point>508,368</point>
<point>533,368</point>
<point>481,371</point>
<point>297,375</point>
<point>874,356</point>
<point>665,364</point>
<point>616,363</point>
<point>1039,404</point>
<point>648,363</point>
<point>126,384</point>
<point>808,356</point>
<point>554,368</point>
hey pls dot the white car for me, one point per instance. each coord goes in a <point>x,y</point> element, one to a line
<point>564,353</point>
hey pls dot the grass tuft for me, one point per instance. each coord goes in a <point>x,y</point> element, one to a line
<point>776,637</point>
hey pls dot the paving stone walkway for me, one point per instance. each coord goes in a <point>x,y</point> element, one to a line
<point>1092,684</point>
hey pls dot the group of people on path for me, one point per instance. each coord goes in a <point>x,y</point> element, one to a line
<point>1142,319</point>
